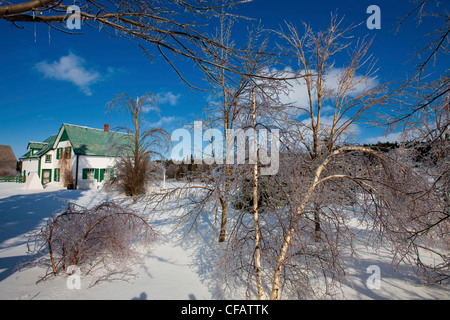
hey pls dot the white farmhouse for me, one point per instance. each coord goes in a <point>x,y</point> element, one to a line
<point>77,157</point>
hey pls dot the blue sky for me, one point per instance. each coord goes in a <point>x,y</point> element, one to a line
<point>49,78</point>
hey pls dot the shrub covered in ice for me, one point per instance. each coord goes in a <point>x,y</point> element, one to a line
<point>102,241</point>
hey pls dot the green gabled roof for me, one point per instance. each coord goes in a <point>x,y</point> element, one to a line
<point>43,146</point>
<point>85,141</point>
<point>36,145</point>
<point>49,144</point>
<point>26,155</point>
<point>92,142</point>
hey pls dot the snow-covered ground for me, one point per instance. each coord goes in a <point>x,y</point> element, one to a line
<point>170,270</point>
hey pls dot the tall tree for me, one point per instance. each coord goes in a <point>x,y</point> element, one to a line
<point>230,84</point>
<point>335,97</point>
<point>139,146</point>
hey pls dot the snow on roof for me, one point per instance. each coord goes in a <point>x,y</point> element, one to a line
<point>84,141</point>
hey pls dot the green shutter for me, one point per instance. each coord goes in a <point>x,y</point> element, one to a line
<point>96,174</point>
<point>111,174</point>
<point>56,175</point>
<point>58,153</point>
<point>102,175</point>
<point>85,173</point>
<point>67,152</point>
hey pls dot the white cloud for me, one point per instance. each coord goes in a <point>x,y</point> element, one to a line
<point>162,98</point>
<point>298,91</point>
<point>326,123</point>
<point>70,68</point>
<point>390,137</point>
<point>297,95</point>
<point>163,122</point>
<point>146,108</point>
<point>400,136</point>
<point>358,85</point>
<point>168,97</point>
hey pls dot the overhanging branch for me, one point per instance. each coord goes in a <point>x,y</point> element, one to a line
<point>24,7</point>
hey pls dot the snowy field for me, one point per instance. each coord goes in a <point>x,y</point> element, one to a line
<point>171,270</point>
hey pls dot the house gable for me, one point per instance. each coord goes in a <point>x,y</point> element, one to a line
<point>49,144</point>
<point>90,142</point>
<point>35,146</point>
<point>37,149</point>
<point>64,136</point>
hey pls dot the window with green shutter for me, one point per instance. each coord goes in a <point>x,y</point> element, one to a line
<point>67,152</point>
<point>89,173</point>
<point>57,175</point>
<point>97,174</point>
<point>59,153</point>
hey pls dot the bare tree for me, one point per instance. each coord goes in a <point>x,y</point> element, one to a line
<point>381,189</point>
<point>336,97</point>
<point>138,146</point>
<point>280,251</point>
<point>229,84</point>
<point>348,90</point>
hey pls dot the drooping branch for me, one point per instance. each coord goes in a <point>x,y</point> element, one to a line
<point>11,11</point>
<point>163,24</point>
<point>300,210</point>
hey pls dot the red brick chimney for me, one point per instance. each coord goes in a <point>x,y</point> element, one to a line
<point>106,127</point>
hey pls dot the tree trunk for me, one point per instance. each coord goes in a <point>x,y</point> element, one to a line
<point>317,228</point>
<point>223,223</point>
<point>255,208</point>
<point>224,203</point>
<point>294,220</point>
